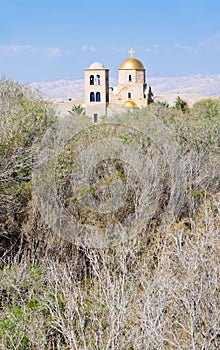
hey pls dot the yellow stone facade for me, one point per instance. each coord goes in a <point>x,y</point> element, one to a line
<point>132,90</point>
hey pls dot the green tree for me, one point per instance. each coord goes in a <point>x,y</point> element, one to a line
<point>207,108</point>
<point>181,105</point>
<point>25,116</point>
<point>77,109</point>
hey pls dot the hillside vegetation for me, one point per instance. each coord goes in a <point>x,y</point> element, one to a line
<point>157,290</point>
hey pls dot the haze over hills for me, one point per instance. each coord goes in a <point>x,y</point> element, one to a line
<point>206,85</point>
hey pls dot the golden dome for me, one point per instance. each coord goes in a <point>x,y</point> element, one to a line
<point>131,63</point>
<point>129,103</point>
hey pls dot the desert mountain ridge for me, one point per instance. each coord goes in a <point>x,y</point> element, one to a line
<point>206,85</point>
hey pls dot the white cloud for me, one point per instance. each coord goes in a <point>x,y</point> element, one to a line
<point>28,49</point>
<point>16,49</point>
<point>211,43</point>
<point>155,49</point>
<point>54,52</point>
<point>86,48</point>
<point>187,48</point>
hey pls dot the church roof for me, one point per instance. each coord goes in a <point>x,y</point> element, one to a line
<point>131,63</point>
<point>96,65</point>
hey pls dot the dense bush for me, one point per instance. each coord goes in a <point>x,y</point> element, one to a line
<point>157,291</point>
<point>25,117</point>
<point>197,134</point>
<point>161,294</point>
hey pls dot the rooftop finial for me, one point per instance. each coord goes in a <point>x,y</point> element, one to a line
<point>131,51</point>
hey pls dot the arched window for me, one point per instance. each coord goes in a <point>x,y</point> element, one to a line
<point>92,97</point>
<point>97,79</point>
<point>129,95</point>
<point>91,79</point>
<point>98,97</point>
<point>129,77</point>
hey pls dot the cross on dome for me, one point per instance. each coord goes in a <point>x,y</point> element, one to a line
<point>131,51</point>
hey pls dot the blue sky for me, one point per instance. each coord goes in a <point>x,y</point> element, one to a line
<point>57,39</point>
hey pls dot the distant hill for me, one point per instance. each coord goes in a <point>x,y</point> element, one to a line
<point>206,85</point>
<point>60,88</point>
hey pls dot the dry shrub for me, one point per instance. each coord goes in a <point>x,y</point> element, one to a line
<point>129,301</point>
<point>158,290</point>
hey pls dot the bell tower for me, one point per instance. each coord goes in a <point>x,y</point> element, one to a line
<point>96,90</point>
<point>131,82</point>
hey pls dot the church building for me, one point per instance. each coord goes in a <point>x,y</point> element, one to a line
<point>132,90</point>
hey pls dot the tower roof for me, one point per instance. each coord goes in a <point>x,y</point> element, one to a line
<point>96,65</point>
<point>131,63</point>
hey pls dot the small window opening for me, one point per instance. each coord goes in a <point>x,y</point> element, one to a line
<point>98,97</point>
<point>129,95</point>
<point>97,79</point>
<point>91,79</point>
<point>92,97</point>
